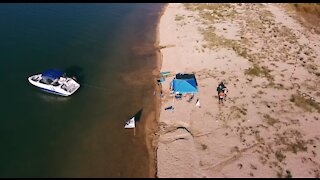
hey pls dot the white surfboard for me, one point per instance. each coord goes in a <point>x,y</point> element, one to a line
<point>198,103</point>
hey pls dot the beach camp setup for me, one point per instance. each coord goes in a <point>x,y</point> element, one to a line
<point>183,84</point>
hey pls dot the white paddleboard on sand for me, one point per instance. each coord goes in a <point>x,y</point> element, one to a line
<point>198,103</point>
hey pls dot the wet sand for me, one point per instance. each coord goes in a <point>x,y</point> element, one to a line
<point>151,126</point>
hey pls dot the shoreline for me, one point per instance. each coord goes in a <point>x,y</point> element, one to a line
<point>151,128</point>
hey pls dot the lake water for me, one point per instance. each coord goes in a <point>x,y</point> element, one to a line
<point>109,48</point>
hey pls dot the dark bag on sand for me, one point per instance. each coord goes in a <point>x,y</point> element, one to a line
<point>169,108</point>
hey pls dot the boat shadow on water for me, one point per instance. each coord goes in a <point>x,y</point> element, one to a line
<point>137,116</point>
<point>75,71</point>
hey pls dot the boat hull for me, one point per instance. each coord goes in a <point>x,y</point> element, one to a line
<point>52,92</point>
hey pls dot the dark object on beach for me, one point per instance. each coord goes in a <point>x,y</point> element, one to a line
<point>161,94</point>
<point>169,108</point>
<point>178,96</point>
<point>198,103</point>
<point>160,80</point>
<point>190,99</point>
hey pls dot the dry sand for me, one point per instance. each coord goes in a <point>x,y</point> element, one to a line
<point>259,131</point>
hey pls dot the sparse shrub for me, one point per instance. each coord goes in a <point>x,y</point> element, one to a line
<point>280,157</point>
<point>289,175</point>
<point>269,120</point>
<point>259,71</point>
<point>204,147</point>
<point>306,104</point>
<point>179,18</point>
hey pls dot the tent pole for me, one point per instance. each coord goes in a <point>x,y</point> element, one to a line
<point>173,102</point>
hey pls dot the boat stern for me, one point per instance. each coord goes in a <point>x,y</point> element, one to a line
<point>71,86</point>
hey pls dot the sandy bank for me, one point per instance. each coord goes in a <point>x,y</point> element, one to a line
<point>268,127</point>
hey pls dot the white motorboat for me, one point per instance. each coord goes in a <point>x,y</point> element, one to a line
<point>55,81</point>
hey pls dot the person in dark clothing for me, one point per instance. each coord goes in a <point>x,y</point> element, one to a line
<point>222,89</point>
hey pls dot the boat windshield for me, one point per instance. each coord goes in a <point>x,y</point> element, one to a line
<point>55,83</point>
<point>46,81</point>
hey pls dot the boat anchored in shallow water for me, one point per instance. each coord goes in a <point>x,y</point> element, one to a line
<point>55,82</point>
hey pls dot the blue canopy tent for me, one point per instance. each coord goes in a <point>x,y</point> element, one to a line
<point>184,86</point>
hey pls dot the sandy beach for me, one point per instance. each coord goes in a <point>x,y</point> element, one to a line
<point>268,125</point>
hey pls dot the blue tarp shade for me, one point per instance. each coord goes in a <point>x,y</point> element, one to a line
<point>184,86</point>
<point>166,74</point>
<point>52,74</point>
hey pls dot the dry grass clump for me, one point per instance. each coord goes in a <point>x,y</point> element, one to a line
<point>291,140</point>
<point>310,12</point>
<point>212,11</point>
<point>214,41</point>
<point>306,104</point>
<point>259,71</point>
<point>178,18</point>
<point>280,157</point>
<point>204,147</point>
<point>308,8</point>
<point>270,120</point>
<point>238,111</point>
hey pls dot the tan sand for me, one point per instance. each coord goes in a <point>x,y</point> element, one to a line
<point>259,131</point>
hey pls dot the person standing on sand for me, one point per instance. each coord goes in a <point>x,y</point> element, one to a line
<point>222,90</point>
<point>221,87</point>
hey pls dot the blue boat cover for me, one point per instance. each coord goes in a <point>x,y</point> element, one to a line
<point>52,74</point>
<point>185,86</point>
